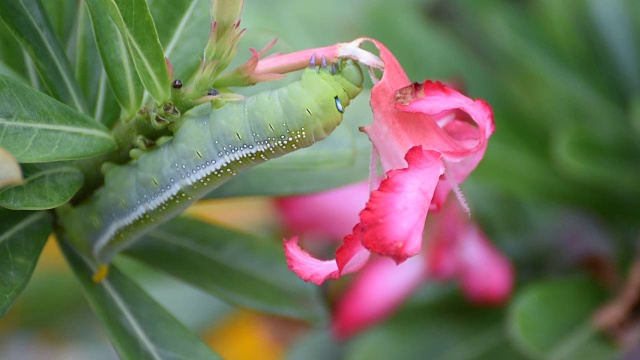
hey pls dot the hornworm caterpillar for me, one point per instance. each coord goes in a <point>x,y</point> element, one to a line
<point>209,148</point>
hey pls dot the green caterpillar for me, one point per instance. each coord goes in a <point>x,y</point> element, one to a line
<point>208,149</point>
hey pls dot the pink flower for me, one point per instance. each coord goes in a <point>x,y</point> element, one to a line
<point>455,250</point>
<point>326,215</point>
<point>428,138</point>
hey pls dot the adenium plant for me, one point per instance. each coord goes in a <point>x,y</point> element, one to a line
<point>67,120</point>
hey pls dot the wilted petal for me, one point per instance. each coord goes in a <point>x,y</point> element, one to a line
<point>375,293</point>
<point>306,266</point>
<point>393,220</point>
<point>464,124</point>
<point>351,256</point>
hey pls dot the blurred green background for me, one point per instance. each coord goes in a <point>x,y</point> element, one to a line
<point>558,190</point>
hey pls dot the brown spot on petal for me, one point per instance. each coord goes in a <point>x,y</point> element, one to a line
<point>409,93</point>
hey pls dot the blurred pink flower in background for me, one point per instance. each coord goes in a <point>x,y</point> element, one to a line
<point>327,215</point>
<point>455,249</point>
<point>428,138</point>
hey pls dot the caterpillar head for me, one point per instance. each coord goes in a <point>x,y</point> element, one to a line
<point>351,77</point>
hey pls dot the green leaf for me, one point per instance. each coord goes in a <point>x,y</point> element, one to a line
<point>37,128</point>
<point>56,284</point>
<point>136,25</point>
<point>552,320</point>
<point>270,181</point>
<point>587,155</point>
<point>85,56</point>
<point>117,61</point>
<point>317,345</point>
<point>12,54</point>
<point>139,328</point>
<point>45,187</point>
<point>5,70</point>
<point>183,34</point>
<point>342,158</point>
<point>22,236</point>
<point>614,24</point>
<point>242,269</point>
<point>63,15</point>
<point>204,310</point>
<point>27,21</point>
<point>107,109</point>
<point>10,172</point>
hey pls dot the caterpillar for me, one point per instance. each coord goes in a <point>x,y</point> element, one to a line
<point>209,148</point>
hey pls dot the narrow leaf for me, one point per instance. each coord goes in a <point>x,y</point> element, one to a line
<point>22,236</point>
<point>551,320</point>
<point>10,173</point>
<point>270,181</point>
<point>239,268</point>
<point>85,56</point>
<point>107,109</point>
<point>7,71</point>
<point>37,128</point>
<point>63,15</point>
<point>316,345</point>
<point>12,54</point>
<point>342,158</point>
<point>133,19</point>
<point>138,326</point>
<point>27,21</point>
<point>183,34</point>
<point>117,62</point>
<point>45,187</point>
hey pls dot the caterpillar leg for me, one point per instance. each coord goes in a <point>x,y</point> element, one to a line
<point>312,61</point>
<point>323,62</point>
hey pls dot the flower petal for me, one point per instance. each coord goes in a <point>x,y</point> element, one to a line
<point>439,101</point>
<point>457,248</point>
<point>468,125</point>
<point>393,220</point>
<point>306,266</point>
<point>486,275</point>
<point>464,128</point>
<point>375,293</point>
<point>329,214</point>
<point>351,256</point>
<point>383,132</point>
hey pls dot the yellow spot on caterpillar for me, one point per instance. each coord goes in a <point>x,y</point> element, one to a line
<point>101,273</point>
